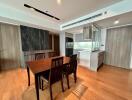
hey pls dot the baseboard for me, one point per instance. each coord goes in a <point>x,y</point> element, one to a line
<point>118,67</point>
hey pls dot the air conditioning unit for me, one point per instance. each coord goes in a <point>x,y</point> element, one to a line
<point>82,20</point>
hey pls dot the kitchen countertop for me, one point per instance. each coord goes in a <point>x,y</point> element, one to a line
<point>84,51</point>
<point>97,51</point>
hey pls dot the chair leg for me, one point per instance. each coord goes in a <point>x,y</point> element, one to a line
<point>39,82</point>
<point>51,97</point>
<point>62,85</point>
<point>67,77</point>
<point>63,75</point>
<point>42,85</point>
<point>75,77</point>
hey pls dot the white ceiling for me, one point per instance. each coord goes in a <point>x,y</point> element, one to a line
<point>124,19</point>
<point>68,10</point>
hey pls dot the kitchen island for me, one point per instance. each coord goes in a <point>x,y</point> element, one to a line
<point>91,60</point>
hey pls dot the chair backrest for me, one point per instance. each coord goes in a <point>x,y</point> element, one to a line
<point>73,57</point>
<point>39,56</point>
<point>72,67</point>
<point>51,54</point>
<point>56,70</point>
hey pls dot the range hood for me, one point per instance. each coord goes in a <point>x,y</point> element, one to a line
<point>89,31</point>
<point>92,33</point>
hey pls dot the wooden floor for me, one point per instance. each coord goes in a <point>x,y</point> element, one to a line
<point>109,83</point>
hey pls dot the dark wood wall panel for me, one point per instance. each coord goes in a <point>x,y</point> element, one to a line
<point>56,44</point>
<point>50,41</point>
<point>34,39</point>
<point>118,46</point>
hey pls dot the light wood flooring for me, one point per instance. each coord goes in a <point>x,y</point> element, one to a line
<point>109,83</point>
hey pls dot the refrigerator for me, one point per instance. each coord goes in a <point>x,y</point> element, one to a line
<point>69,46</point>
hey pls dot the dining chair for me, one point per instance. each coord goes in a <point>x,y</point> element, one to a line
<point>39,56</point>
<point>71,68</point>
<point>51,54</point>
<point>55,74</point>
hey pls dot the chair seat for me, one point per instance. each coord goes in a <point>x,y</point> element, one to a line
<point>66,69</point>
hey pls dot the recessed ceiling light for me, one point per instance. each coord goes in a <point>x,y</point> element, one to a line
<point>59,2</point>
<point>116,22</point>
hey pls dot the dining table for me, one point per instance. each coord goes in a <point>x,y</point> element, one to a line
<point>38,67</point>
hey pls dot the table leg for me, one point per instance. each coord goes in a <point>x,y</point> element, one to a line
<point>28,72</point>
<point>36,86</point>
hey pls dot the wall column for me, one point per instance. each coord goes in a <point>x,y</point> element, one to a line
<point>62,43</point>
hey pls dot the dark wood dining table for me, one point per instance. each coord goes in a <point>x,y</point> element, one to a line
<point>38,67</point>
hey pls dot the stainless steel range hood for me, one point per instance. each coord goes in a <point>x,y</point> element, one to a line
<point>92,33</point>
<point>89,30</point>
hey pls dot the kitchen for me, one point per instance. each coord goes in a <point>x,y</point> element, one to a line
<point>87,43</point>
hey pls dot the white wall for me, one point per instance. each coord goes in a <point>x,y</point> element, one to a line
<point>62,43</point>
<point>103,38</point>
<point>131,57</point>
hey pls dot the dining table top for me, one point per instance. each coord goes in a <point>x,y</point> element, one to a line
<point>38,66</point>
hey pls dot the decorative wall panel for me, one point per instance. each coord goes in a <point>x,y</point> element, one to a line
<point>118,46</point>
<point>10,49</point>
<point>34,39</point>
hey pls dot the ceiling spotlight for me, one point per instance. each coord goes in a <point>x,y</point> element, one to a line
<point>59,2</point>
<point>116,22</point>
